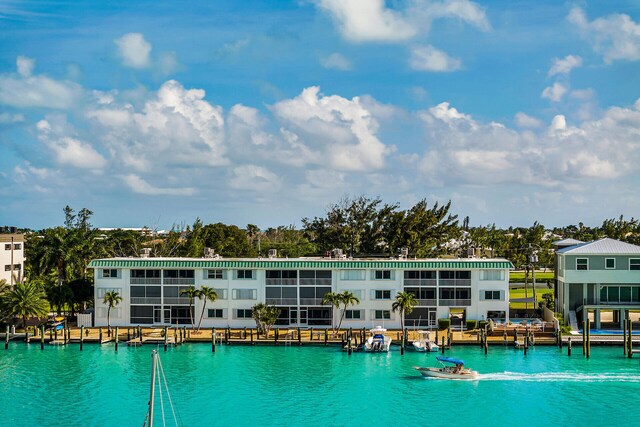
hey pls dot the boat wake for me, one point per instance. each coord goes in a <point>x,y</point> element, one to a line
<point>621,376</point>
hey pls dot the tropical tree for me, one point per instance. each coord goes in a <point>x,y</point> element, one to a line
<point>346,299</point>
<point>25,300</point>
<point>192,293</point>
<point>111,299</point>
<point>207,294</point>
<point>404,303</point>
<point>332,299</point>
<point>265,316</point>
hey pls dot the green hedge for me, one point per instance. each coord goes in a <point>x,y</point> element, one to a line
<point>444,323</point>
<point>472,324</point>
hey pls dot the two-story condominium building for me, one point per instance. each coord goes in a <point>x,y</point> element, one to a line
<point>151,289</point>
<point>11,258</point>
<point>603,275</point>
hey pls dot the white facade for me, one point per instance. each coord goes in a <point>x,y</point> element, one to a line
<point>12,258</point>
<point>151,290</point>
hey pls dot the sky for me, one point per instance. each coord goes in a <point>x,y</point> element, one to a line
<point>155,113</point>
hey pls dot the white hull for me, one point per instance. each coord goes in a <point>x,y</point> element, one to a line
<point>445,373</point>
<point>425,346</point>
<point>377,345</point>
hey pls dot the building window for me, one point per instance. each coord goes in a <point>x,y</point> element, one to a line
<point>491,295</point>
<point>582,263</point>
<point>7,267</point>
<point>243,313</point>
<point>17,267</point>
<point>352,275</point>
<point>215,313</point>
<point>221,292</point>
<point>353,314</point>
<point>382,275</point>
<point>492,275</point>
<point>381,294</point>
<point>244,274</point>
<point>245,293</point>
<point>17,246</point>
<point>634,264</point>
<point>111,273</point>
<point>382,314</point>
<point>214,274</point>
<point>7,247</point>
<point>610,263</point>
<point>101,291</point>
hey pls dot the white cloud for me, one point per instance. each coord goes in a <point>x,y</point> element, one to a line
<point>525,121</point>
<point>175,126</point>
<point>25,66</point>
<point>168,62</point>
<point>565,65</point>
<point>428,58</point>
<point>27,90</point>
<point>555,92</point>
<point>372,21</point>
<point>253,177</point>
<point>140,186</point>
<point>615,37</point>
<point>68,150</point>
<point>341,130</point>
<point>7,118</point>
<point>368,21</point>
<point>134,50</point>
<point>336,61</point>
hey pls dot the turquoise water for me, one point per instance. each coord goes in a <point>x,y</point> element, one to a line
<point>316,386</point>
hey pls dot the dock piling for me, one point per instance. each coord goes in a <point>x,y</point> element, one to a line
<point>81,338</point>
<point>251,333</point>
<point>588,328</point>
<point>166,338</point>
<point>213,340</point>
<point>100,335</point>
<point>326,336</point>
<point>630,351</point>
<point>41,337</point>
<point>116,338</point>
<point>442,346</point>
<point>569,347</point>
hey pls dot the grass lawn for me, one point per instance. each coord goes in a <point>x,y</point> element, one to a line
<point>518,276</point>
<point>519,293</point>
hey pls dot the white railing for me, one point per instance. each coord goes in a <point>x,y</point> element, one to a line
<point>179,281</point>
<point>282,301</point>
<point>281,282</point>
<point>310,301</point>
<point>427,302</point>
<point>145,281</point>
<point>146,300</point>
<point>454,302</point>
<point>176,300</point>
<point>420,282</point>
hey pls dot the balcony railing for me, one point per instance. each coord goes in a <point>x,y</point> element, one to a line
<point>455,282</point>
<point>455,302</point>
<point>420,282</point>
<point>315,282</point>
<point>145,280</point>
<point>427,302</point>
<point>281,282</point>
<point>176,300</point>
<point>179,281</point>
<point>282,301</point>
<point>145,300</point>
<point>310,301</point>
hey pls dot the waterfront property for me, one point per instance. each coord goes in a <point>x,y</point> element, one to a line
<point>11,257</point>
<point>603,275</point>
<point>151,289</point>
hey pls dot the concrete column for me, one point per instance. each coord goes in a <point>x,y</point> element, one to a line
<point>622,317</point>
<point>596,317</point>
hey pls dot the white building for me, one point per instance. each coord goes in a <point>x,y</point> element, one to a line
<point>151,289</point>
<point>12,258</point>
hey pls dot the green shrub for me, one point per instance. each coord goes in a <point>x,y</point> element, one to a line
<point>444,324</point>
<point>472,324</point>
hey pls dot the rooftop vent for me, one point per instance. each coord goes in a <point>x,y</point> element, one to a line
<point>145,252</point>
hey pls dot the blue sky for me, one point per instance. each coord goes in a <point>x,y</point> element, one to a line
<point>158,112</point>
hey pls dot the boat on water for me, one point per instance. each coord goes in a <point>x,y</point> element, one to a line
<point>451,369</point>
<point>424,342</point>
<point>378,341</point>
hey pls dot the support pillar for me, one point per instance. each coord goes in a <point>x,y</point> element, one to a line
<point>596,317</point>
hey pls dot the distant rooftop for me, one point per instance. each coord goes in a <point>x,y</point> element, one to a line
<point>604,246</point>
<point>567,242</point>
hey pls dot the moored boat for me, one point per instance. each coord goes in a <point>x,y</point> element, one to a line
<point>378,341</point>
<point>424,342</point>
<point>454,371</point>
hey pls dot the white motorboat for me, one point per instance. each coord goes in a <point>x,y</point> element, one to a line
<point>454,371</point>
<point>424,342</point>
<point>378,341</point>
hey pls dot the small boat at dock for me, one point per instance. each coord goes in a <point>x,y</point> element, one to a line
<point>455,370</point>
<point>424,342</point>
<point>378,341</point>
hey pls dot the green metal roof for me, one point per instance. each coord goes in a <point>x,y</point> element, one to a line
<point>298,264</point>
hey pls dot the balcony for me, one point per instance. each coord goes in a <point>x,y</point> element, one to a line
<point>145,281</point>
<point>427,302</point>
<point>455,302</point>
<point>176,300</point>
<point>455,282</point>
<point>315,282</point>
<point>282,301</point>
<point>281,282</point>
<point>145,300</point>
<point>420,282</point>
<point>179,281</point>
<point>310,301</point>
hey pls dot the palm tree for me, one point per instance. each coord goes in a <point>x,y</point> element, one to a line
<point>404,303</point>
<point>208,294</point>
<point>25,300</point>
<point>333,299</point>
<point>346,299</point>
<point>111,299</point>
<point>192,293</point>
